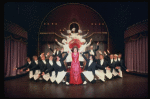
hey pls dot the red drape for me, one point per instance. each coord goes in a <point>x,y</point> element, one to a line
<point>15,53</point>
<point>136,55</point>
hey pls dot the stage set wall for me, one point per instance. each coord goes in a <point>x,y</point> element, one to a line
<point>87,19</point>
<point>15,48</point>
<point>136,47</point>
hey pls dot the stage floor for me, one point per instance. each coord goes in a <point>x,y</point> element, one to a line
<point>129,86</point>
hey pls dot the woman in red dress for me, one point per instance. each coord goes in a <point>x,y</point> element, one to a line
<point>75,71</point>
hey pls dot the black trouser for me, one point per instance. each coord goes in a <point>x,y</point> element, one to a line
<point>104,70</point>
<point>81,63</point>
<point>82,77</point>
<point>68,77</point>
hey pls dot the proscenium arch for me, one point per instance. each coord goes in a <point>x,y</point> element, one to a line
<point>70,23</point>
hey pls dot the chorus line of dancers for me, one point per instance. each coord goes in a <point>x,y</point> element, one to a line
<point>53,68</point>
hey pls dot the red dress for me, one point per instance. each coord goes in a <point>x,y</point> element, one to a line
<point>75,71</point>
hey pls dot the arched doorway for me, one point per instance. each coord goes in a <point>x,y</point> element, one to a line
<point>74,25</point>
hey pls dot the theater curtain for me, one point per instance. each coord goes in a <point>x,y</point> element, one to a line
<point>136,55</point>
<point>15,53</point>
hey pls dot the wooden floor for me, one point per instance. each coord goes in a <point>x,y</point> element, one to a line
<point>129,86</point>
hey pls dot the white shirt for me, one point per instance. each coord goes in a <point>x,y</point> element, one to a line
<point>51,62</point>
<point>111,60</point>
<point>44,61</point>
<point>118,59</point>
<point>58,63</point>
<point>91,52</point>
<point>90,62</point>
<point>57,52</point>
<point>102,61</point>
<point>115,60</point>
<point>29,62</point>
<point>36,62</point>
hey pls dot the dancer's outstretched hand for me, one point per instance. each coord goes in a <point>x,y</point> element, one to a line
<point>108,51</point>
<point>48,53</point>
<point>90,39</point>
<point>105,52</point>
<point>27,70</point>
<point>127,70</point>
<point>97,43</point>
<point>48,45</point>
<point>100,52</point>
<point>21,70</point>
<point>56,40</point>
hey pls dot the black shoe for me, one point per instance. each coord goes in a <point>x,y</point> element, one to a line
<point>31,79</point>
<point>35,80</point>
<point>93,81</point>
<point>55,82</point>
<point>44,80</point>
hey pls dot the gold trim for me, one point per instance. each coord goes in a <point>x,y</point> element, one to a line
<point>21,40</point>
<point>96,33</point>
<point>72,23</point>
<point>51,33</point>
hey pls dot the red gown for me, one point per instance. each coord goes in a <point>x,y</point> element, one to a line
<point>75,70</point>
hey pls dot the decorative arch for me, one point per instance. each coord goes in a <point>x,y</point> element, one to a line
<point>92,24</point>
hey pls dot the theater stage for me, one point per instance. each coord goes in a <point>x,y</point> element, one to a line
<point>129,86</point>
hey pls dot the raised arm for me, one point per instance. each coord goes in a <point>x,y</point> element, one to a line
<point>59,43</point>
<point>89,43</point>
<point>68,49</point>
<point>64,56</point>
<point>50,47</point>
<point>84,35</point>
<point>64,35</point>
<point>84,57</point>
<point>97,46</point>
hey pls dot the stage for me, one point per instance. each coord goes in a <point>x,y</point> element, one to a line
<point>132,86</point>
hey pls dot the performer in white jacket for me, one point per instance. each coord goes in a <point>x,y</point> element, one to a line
<point>65,45</point>
<point>74,35</point>
<point>83,47</point>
